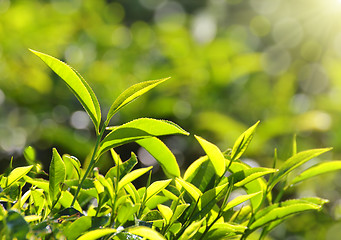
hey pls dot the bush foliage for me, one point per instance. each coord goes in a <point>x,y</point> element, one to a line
<point>76,202</point>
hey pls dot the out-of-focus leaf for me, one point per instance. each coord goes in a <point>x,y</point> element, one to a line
<point>132,176</point>
<point>243,142</point>
<point>136,130</point>
<point>17,174</point>
<point>30,155</point>
<point>317,170</point>
<point>17,226</point>
<point>294,162</point>
<point>214,154</point>
<point>131,94</point>
<point>56,175</point>
<point>39,182</point>
<point>66,199</point>
<point>77,84</point>
<point>82,224</point>
<point>162,154</point>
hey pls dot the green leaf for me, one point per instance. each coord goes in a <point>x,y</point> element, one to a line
<point>56,175</point>
<point>317,170</point>
<point>222,230</point>
<point>125,212</point>
<point>96,234</point>
<point>201,173</point>
<point>238,200</point>
<point>136,130</point>
<point>16,174</point>
<point>162,154</point>
<point>156,187</point>
<point>243,177</point>
<point>294,162</point>
<point>214,154</point>
<point>17,226</point>
<point>282,212</point>
<point>131,94</point>
<point>191,230</point>
<point>82,224</point>
<point>193,191</point>
<point>66,199</point>
<point>77,84</point>
<point>257,185</point>
<point>71,164</point>
<point>178,212</point>
<point>125,168</point>
<point>39,182</point>
<point>243,142</point>
<point>146,232</point>
<point>132,176</point>
<point>30,155</point>
<point>166,212</point>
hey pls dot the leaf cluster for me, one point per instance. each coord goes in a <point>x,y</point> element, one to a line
<point>73,202</point>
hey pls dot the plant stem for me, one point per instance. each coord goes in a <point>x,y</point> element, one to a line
<point>92,163</point>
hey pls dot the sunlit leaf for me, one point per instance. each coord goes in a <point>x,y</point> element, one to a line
<point>282,212</point>
<point>214,154</point>
<point>243,142</point>
<point>162,154</point>
<point>39,182</point>
<point>156,187</point>
<point>146,232</point>
<point>132,176</point>
<point>294,162</point>
<point>17,174</point>
<point>56,175</point>
<point>96,234</point>
<point>222,230</point>
<point>66,199</point>
<point>131,94</point>
<point>238,200</point>
<point>201,173</point>
<point>138,129</point>
<point>193,191</point>
<point>166,212</point>
<point>317,170</point>
<point>77,84</point>
<point>125,167</point>
<point>30,155</point>
<point>191,230</point>
<point>243,177</point>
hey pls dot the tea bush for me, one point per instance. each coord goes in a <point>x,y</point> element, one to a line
<point>75,202</point>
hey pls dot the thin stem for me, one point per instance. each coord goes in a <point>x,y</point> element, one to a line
<point>92,163</point>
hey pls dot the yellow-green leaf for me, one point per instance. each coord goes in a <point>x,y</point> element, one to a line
<point>131,94</point>
<point>77,84</point>
<point>132,176</point>
<point>146,232</point>
<point>17,174</point>
<point>214,154</point>
<point>56,174</point>
<point>96,234</point>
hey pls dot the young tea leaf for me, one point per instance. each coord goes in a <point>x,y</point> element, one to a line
<point>316,170</point>
<point>96,234</point>
<point>166,212</point>
<point>214,154</point>
<point>132,176</point>
<point>77,84</point>
<point>282,212</point>
<point>238,200</point>
<point>243,142</point>
<point>56,175</point>
<point>162,154</point>
<point>17,174</point>
<point>156,187</point>
<point>294,162</point>
<point>131,94</point>
<point>136,130</point>
<point>146,232</point>
<point>193,191</point>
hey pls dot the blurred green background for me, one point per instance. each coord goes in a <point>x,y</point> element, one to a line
<point>232,63</point>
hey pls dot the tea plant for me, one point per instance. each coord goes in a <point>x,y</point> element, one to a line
<point>78,203</point>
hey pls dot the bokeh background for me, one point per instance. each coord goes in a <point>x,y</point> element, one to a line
<point>232,63</point>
